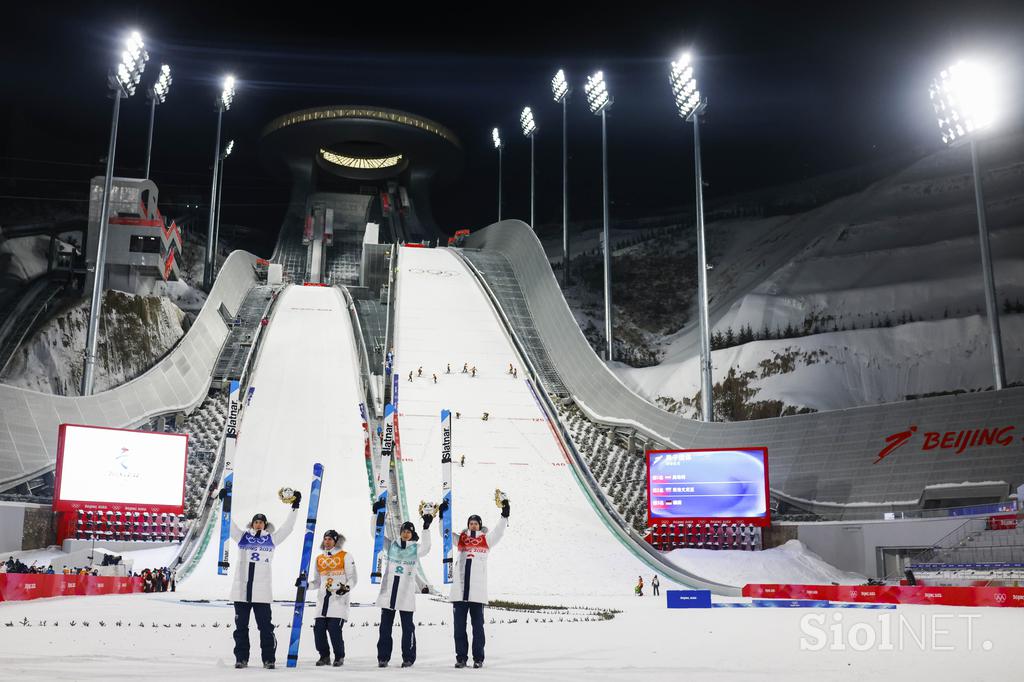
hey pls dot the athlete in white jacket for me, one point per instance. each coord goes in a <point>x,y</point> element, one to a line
<point>469,583</point>
<point>252,588</point>
<point>398,588</point>
<point>334,576</point>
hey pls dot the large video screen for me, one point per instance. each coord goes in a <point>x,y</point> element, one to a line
<point>101,469</point>
<point>720,484</point>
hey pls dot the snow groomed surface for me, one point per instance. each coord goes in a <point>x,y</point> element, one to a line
<point>305,409</point>
<point>556,543</point>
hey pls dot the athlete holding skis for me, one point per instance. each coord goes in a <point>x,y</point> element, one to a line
<point>469,585</point>
<point>333,579</point>
<point>399,586</point>
<point>252,590</point>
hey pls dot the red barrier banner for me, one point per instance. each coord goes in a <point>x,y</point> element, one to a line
<point>24,586</point>
<point>893,594</point>
<point>1002,522</point>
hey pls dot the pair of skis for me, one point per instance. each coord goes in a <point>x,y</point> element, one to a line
<point>383,469</point>
<point>307,554</point>
<point>230,440</point>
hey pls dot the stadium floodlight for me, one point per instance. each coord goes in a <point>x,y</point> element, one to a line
<point>122,80</point>
<point>560,92</point>
<point>559,86</point>
<point>964,97</point>
<point>529,130</point>
<point>690,106</point>
<point>599,102</point>
<point>222,103</point>
<point>499,145</point>
<point>227,95</point>
<point>596,90</point>
<point>228,148</point>
<point>157,95</point>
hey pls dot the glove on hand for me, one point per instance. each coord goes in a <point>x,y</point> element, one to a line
<point>298,498</point>
<point>505,508</point>
<point>427,520</point>
<point>443,507</point>
<point>342,589</point>
<point>378,505</point>
<point>223,493</point>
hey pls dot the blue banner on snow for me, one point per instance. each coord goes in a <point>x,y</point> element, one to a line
<point>688,599</point>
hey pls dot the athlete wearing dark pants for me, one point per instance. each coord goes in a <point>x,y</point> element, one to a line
<point>385,643</point>
<point>469,583</point>
<point>268,643</point>
<point>324,627</point>
<point>475,611</point>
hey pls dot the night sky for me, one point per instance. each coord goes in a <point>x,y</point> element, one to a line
<point>794,92</point>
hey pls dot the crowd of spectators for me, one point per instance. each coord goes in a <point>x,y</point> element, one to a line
<point>153,579</point>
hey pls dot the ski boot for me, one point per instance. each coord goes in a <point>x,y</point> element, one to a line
<point>324,660</point>
<point>478,664</point>
<point>338,662</point>
<point>269,665</point>
<point>241,664</point>
<point>460,663</point>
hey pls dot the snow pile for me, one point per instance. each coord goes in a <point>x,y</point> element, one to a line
<point>24,258</point>
<point>135,332</point>
<point>791,563</point>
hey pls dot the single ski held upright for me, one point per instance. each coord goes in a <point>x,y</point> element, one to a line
<point>446,495</point>
<point>307,553</point>
<point>383,472</point>
<point>230,439</point>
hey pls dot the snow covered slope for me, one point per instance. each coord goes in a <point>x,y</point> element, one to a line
<point>304,410</point>
<point>886,283</point>
<point>556,544</point>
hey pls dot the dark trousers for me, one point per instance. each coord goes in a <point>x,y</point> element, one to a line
<point>322,627</point>
<point>268,642</point>
<point>384,641</point>
<point>655,588</point>
<point>476,614</point>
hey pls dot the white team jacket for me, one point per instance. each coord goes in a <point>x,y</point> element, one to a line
<point>469,577</point>
<point>333,568</point>
<point>253,579</point>
<point>398,586</point>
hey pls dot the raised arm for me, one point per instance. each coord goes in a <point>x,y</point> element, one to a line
<point>287,527</point>
<point>495,536</point>
<point>236,532</point>
<point>423,546</point>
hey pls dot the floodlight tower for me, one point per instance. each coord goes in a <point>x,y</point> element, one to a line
<point>964,97</point>
<point>122,81</point>
<point>220,193</point>
<point>690,107</point>
<point>499,145</point>
<point>560,92</point>
<point>157,95</point>
<point>223,103</point>
<point>529,130</point>
<point>599,102</point>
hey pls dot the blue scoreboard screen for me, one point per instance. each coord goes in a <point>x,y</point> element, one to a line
<point>720,484</point>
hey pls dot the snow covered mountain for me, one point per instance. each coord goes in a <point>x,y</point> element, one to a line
<point>873,297</point>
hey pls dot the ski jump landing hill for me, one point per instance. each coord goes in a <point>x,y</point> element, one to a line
<point>303,409</point>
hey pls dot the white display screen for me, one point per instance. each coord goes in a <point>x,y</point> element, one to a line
<point>102,468</point>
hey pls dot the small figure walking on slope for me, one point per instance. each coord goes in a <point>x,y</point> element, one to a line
<point>465,368</point>
<point>419,372</point>
<point>472,372</point>
<point>448,368</point>
<point>435,378</point>
<point>410,375</point>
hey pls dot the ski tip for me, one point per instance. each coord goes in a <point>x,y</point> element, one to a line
<point>445,414</point>
<point>388,409</point>
<point>318,468</point>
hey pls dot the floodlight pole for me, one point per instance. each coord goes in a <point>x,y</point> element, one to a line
<point>149,139</point>
<point>533,179</point>
<point>565,191</point>
<point>706,401</point>
<point>211,247</point>
<point>609,354</point>
<point>499,183</point>
<point>96,305</point>
<point>991,304</point>
<point>220,196</point>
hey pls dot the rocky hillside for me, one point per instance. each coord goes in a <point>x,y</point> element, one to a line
<point>135,332</point>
